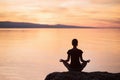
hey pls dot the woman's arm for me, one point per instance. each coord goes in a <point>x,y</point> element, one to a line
<point>81,58</point>
<point>68,58</point>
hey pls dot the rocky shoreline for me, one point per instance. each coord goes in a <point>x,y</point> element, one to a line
<point>83,76</point>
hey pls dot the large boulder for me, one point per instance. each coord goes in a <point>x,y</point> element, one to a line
<point>83,76</point>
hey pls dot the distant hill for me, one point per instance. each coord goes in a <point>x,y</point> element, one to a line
<point>8,24</point>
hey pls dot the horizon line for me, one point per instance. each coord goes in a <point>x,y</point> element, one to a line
<point>12,24</point>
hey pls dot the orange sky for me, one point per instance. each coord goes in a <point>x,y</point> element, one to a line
<point>99,13</point>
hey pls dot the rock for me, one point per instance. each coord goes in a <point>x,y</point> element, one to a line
<point>83,76</point>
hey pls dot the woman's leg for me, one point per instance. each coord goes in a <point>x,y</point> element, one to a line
<point>66,64</point>
<point>83,65</point>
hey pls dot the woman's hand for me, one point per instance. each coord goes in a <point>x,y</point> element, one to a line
<point>88,60</point>
<point>61,60</point>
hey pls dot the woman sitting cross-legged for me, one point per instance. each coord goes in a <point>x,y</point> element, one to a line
<point>77,63</point>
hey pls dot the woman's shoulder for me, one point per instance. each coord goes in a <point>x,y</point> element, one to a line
<point>72,50</point>
<point>80,50</point>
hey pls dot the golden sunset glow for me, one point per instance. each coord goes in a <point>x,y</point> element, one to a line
<point>97,13</point>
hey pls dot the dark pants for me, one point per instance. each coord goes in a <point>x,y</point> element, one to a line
<point>67,65</point>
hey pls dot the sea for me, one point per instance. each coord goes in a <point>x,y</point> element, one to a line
<point>31,54</point>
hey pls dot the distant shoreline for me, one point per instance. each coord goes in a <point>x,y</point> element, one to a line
<point>25,25</point>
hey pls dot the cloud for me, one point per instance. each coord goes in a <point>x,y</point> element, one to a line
<point>51,10</point>
<point>105,1</point>
<point>58,11</point>
<point>17,16</point>
<point>116,21</point>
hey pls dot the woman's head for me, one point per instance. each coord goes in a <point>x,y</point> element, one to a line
<point>74,42</point>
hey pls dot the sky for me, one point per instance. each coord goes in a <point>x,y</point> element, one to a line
<point>96,13</point>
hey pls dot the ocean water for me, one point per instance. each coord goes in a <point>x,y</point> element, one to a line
<point>31,54</point>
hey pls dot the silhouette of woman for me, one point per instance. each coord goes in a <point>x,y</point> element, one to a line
<point>77,62</point>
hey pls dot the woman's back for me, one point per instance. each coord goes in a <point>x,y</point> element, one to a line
<point>75,55</point>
